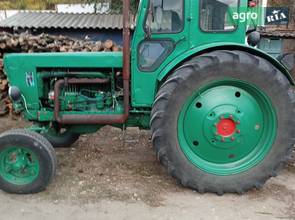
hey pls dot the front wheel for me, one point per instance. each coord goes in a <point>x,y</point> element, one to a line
<point>223,122</point>
<point>27,162</point>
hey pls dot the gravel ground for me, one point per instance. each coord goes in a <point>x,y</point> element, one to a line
<point>115,175</point>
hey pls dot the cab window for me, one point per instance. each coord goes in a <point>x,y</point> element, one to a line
<point>165,16</point>
<point>153,53</point>
<point>217,15</point>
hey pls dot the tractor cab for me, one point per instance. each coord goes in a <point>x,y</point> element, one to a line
<point>170,30</point>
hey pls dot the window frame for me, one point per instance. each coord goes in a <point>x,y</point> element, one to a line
<point>216,31</point>
<point>176,32</point>
<point>156,65</point>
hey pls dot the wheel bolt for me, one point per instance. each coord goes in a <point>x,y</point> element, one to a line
<point>238,131</point>
<point>232,139</point>
<point>221,117</point>
<point>231,116</point>
<point>223,140</point>
<point>238,122</point>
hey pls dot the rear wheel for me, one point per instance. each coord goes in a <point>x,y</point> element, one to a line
<point>223,122</point>
<point>27,162</point>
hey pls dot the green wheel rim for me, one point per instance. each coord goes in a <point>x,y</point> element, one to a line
<point>227,127</point>
<point>19,166</point>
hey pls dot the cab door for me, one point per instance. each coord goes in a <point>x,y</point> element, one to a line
<point>161,34</point>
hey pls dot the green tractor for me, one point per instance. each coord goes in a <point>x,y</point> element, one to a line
<point>220,110</point>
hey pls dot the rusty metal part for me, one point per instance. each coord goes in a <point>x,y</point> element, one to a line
<point>101,119</point>
<point>126,59</point>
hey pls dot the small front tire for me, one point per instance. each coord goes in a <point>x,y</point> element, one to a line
<point>28,162</point>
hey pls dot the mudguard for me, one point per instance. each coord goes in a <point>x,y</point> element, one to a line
<point>223,46</point>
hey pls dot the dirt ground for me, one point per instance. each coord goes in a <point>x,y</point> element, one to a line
<point>115,175</point>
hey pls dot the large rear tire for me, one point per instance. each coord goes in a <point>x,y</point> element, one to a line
<point>224,122</point>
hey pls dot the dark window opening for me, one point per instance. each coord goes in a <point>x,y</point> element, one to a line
<point>166,16</point>
<point>218,15</point>
<point>152,53</point>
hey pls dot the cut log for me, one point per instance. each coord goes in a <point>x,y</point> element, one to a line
<point>3,85</point>
<point>115,48</point>
<point>108,44</point>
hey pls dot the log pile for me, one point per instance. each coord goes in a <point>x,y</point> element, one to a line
<point>28,43</point>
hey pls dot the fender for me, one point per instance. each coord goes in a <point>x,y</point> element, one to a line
<point>196,51</point>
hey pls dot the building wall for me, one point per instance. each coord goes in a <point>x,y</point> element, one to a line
<point>288,46</point>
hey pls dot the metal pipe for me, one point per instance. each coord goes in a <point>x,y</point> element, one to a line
<point>102,119</point>
<point>126,58</point>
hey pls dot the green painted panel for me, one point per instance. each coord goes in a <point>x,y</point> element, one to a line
<point>66,60</point>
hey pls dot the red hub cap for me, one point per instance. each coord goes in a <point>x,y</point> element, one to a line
<point>226,127</point>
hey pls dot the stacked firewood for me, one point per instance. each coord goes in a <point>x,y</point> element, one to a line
<point>28,43</point>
